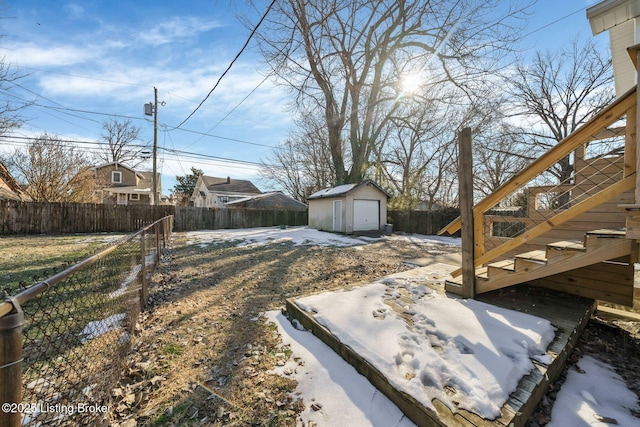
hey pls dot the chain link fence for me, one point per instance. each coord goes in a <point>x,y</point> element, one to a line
<point>63,340</point>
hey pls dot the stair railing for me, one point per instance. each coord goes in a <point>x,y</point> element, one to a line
<point>601,155</point>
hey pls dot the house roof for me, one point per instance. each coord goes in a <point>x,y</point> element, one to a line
<point>11,190</point>
<point>272,199</point>
<point>119,165</point>
<point>216,184</point>
<point>343,190</point>
<point>609,13</point>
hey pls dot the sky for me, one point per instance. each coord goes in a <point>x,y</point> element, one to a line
<point>484,350</point>
<point>86,62</point>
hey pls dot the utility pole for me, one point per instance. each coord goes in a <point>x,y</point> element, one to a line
<point>150,109</point>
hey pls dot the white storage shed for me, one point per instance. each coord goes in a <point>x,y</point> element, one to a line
<point>349,208</point>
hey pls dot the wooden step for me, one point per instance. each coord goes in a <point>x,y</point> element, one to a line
<point>560,256</point>
<point>567,245</point>
<point>604,232</point>
<point>506,264</point>
<point>538,257</point>
<point>529,266</point>
<point>482,273</point>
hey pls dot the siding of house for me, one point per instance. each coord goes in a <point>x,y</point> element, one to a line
<point>128,180</point>
<point>104,176</point>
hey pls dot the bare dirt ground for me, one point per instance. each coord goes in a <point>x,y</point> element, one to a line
<point>203,354</point>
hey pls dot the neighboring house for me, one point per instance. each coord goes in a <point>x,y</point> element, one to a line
<point>121,185</point>
<point>276,200</point>
<point>212,192</point>
<point>9,187</point>
<point>349,208</point>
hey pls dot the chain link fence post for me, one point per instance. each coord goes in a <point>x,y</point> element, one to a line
<point>11,365</point>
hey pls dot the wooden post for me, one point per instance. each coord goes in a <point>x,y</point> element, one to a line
<point>11,366</point>
<point>156,231</point>
<point>164,229</point>
<point>143,270</point>
<point>465,180</point>
<point>636,118</point>
<point>634,54</point>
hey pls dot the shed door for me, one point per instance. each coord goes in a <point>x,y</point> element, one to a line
<point>366,215</point>
<point>337,215</point>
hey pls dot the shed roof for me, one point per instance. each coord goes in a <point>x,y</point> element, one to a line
<point>229,185</point>
<point>342,190</point>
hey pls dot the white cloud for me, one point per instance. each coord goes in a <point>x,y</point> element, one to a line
<point>175,28</point>
<point>50,56</point>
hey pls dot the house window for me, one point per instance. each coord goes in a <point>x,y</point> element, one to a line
<point>223,199</point>
<point>121,199</point>
<point>134,197</point>
<point>116,177</point>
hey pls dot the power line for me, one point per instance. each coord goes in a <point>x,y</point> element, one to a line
<point>234,109</point>
<point>26,140</point>
<point>230,65</point>
<point>554,22</point>
<point>222,137</point>
<point>66,109</point>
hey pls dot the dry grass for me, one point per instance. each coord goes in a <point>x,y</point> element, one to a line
<point>204,335</point>
<point>29,259</point>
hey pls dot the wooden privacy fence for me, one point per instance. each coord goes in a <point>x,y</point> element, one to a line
<point>192,218</point>
<point>421,222</point>
<point>62,218</point>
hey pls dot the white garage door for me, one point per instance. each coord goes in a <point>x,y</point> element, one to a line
<point>366,215</point>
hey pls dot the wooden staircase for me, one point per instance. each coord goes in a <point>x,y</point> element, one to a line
<point>602,194</point>
<point>558,257</point>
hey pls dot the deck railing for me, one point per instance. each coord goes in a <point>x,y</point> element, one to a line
<point>599,165</point>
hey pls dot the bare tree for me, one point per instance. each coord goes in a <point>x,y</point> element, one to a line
<point>499,154</point>
<point>417,140</point>
<point>560,91</point>
<point>348,58</point>
<point>9,111</point>
<point>302,164</point>
<point>121,138</point>
<point>54,171</point>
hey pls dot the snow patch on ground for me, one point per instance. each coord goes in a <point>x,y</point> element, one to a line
<point>334,393</point>
<point>100,327</point>
<point>594,396</point>
<point>302,236</point>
